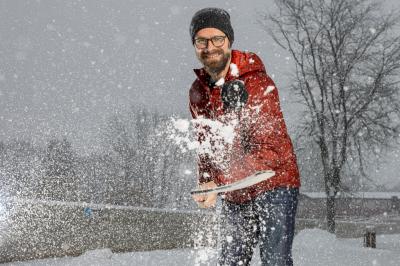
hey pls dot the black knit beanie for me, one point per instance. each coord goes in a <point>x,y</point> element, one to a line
<point>212,17</point>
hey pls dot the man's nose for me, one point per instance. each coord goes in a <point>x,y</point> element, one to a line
<point>209,42</point>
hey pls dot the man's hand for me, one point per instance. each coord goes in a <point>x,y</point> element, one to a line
<point>207,200</point>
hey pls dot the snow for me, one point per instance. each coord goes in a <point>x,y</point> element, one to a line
<point>188,172</point>
<point>220,82</point>
<point>217,142</point>
<point>311,247</point>
<point>269,89</point>
<point>181,124</point>
<point>366,195</point>
<point>234,70</point>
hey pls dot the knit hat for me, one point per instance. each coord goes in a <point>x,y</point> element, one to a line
<point>212,17</point>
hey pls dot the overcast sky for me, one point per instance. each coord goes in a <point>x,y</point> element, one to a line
<point>66,66</point>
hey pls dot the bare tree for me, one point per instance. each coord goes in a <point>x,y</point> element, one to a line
<point>59,162</point>
<point>146,162</point>
<point>347,61</point>
<point>20,168</point>
<point>127,144</point>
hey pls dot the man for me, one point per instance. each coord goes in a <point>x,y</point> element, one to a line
<point>233,86</point>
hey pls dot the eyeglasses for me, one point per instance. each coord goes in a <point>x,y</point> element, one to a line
<point>202,43</point>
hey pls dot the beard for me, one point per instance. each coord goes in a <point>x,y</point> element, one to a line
<point>215,65</point>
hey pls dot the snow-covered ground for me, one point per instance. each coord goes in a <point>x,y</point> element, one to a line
<point>312,247</point>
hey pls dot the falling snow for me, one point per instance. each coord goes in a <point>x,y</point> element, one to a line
<point>75,76</point>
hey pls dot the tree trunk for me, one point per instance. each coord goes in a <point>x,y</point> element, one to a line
<point>330,213</point>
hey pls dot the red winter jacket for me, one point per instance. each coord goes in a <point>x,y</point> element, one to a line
<point>269,145</point>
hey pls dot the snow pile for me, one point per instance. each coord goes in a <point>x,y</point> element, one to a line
<point>318,247</point>
<point>311,247</point>
<point>96,257</point>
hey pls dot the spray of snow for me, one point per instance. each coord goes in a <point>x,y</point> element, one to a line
<point>203,256</point>
<point>201,237</point>
<point>3,219</point>
<point>182,125</point>
<point>217,137</point>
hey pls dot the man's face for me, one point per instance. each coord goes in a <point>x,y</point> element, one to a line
<point>213,58</point>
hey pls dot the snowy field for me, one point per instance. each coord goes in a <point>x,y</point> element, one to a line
<point>311,247</point>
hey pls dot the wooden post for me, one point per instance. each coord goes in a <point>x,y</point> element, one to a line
<point>370,238</point>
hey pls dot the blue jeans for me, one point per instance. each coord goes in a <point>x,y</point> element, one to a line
<point>267,220</point>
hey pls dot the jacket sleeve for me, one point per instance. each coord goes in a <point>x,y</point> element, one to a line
<point>265,127</point>
<point>207,169</point>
